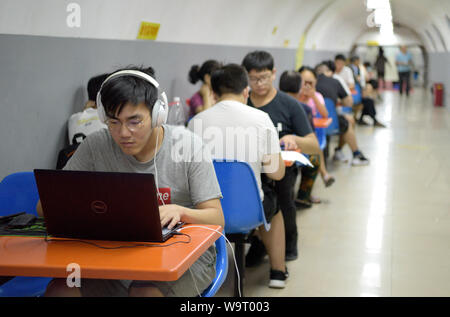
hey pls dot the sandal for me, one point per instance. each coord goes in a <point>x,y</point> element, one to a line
<point>328,180</point>
<point>300,203</point>
<point>314,199</point>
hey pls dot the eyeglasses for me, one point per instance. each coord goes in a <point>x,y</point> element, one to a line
<point>263,79</point>
<point>132,125</point>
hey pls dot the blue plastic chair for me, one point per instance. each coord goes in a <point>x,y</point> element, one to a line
<point>18,192</point>
<point>241,203</point>
<point>333,128</point>
<point>321,137</point>
<point>348,110</point>
<point>221,268</point>
<point>357,98</point>
<point>242,208</point>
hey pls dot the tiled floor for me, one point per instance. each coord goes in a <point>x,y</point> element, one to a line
<point>384,229</point>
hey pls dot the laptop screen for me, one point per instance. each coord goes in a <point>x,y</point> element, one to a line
<point>100,205</point>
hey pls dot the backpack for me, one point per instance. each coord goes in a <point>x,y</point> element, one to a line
<point>66,153</point>
<point>85,122</point>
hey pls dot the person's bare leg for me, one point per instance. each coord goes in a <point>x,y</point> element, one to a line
<point>326,177</point>
<point>350,138</point>
<point>274,241</point>
<point>322,169</point>
<point>351,120</point>
<point>58,288</point>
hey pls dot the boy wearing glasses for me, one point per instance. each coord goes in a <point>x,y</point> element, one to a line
<point>294,131</point>
<point>132,144</point>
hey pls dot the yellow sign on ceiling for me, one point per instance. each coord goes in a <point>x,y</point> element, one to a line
<point>148,31</point>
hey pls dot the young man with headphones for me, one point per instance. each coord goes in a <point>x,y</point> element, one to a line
<point>137,140</point>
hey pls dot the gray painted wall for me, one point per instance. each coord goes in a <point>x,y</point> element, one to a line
<point>43,80</point>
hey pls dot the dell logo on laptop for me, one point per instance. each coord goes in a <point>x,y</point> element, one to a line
<point>99,207</point>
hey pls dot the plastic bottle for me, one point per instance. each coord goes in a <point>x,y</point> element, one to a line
<point>174,112</point>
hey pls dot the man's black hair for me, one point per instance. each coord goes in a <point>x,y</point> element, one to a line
<point>290,81</point>
<point>321,68</point>
<point>231,78</point>
<point>120,91</point>
<point>340,57</point>
<point>94,84</point>
<point>331,65</point>
<point>258,60</point>
<point>354,58</point>
<point>303,68</point>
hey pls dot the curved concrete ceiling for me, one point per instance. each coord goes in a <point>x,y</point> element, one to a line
<point>334,25</point>
<point>425,16</point>
<point>345,22</point>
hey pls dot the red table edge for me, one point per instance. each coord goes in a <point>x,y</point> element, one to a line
<point>322,122</point>
<point>171,275</point>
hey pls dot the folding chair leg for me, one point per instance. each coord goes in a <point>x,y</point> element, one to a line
<point>240,259</point>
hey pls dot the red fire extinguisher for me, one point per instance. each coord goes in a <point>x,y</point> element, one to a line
<point>438,92</point>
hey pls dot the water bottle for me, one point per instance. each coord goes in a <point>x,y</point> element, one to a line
<point>173,117</point>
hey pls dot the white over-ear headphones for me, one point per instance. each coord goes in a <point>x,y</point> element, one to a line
<point>160,108</point>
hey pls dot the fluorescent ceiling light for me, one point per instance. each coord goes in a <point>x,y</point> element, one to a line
<point>383,16</point>
<point>375,4</point>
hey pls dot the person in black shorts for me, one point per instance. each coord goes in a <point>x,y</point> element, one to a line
<point>294,132</point>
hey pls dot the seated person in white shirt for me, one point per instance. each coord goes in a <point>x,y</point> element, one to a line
<point>231,117</point>
<point>344,71</point>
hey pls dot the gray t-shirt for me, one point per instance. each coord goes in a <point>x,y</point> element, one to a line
<point>186,175</point>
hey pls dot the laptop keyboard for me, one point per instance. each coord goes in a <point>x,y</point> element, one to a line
<point>165,231</point>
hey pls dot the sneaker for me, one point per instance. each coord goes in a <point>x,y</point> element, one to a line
<point>361,122</point>
<point>339,156</point>
<point>278,279</point>
<point>302,203</point>
<point>315,200</point>
<point>378,124</point>
<point>256,253</point>
<point>360,160</point>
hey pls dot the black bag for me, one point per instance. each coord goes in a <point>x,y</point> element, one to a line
<point>66,153</point>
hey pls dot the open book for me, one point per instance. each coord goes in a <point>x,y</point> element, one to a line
<point>294,156</point>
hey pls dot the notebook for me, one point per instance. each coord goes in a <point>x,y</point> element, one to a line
<point>101,205</point>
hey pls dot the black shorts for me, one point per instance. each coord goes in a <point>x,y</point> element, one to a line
<point>343,124</point>
<point>270,197</point>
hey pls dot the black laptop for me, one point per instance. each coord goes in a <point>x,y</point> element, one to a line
<point>101,205</point>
